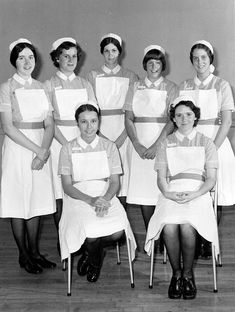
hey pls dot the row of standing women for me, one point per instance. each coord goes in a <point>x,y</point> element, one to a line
<point>134,115</point>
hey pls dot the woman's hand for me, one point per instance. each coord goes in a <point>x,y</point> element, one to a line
<point>140,149</point>
<point>150,152</point>
<point>43,154</point>
<point>37,164</point>
<point>175,196</point>
<point>188,196</point>
<point>101,206</point>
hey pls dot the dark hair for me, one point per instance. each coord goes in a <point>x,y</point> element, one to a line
<point>20,47</point>
<point>55,54</point>
<point>204,47</point>
<point>84,108</point>
<point>155,55</point>
<point>189,104</point>
<point>109,40</point>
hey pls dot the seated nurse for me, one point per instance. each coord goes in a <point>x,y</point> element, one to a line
<point>186,162</point>
<point>92,217</point>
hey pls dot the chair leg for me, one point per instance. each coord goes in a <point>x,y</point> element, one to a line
<point>164,255</point>
<point>118,254</point>
<point>214,269</point>
<point>151,265</point>
<point>64,265</point>
<point>69,275</point>
<point>130,261</point>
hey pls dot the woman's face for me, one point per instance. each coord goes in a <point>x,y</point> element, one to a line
<point>154,69</point>
<point>111,54</point>
<point>68,61</point>
<point>88,123</point>
<point>184,119</point>
<point>25,63</point>
<point>201,63</point>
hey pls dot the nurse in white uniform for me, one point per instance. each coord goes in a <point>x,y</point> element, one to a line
<point>66,91</point>
<point>186,162</point>
<point>214,96</point>
<point>26,184</point>
<point>111,83</point>
<point>147,123</point>
<point>92,216</point>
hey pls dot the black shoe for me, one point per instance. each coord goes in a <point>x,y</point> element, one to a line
<point>29,266</point>
<point>175,288</point>
<point>189,288</point>
<point>93,273</point>
<point>83,264</point>
<point>43,262</point>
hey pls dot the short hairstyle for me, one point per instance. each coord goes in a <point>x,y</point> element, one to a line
<point>20,47</point>
<point>204,47</point>
<point>84,108</point>
<point>189,104</point>
<point>155,55</point>
<point>65,45</point>
<point>109,40</point>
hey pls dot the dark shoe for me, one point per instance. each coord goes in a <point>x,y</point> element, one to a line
<point>83,264</point>
<point>189,288</point>
<point>44,263</point>
<point>30,266</point>
<point>93,273</point>
<point>175,288</point>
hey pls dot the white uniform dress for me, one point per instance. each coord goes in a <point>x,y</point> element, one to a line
<point>149,103</point>
<point>66,94</point>
<point>214,95</point>
<point>90,167</point>
<point>111,87</point>
<point>186,159</point>
<point>25,193</point>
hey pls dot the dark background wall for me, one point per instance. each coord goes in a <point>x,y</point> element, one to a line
<point>173,24</point>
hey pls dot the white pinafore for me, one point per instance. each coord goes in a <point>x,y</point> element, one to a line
<point>111,93</point>
<point>90,173</point>
<point>26,193</point>
<point>209,124</point>
<point>186,167</point>
<point>151,105</point>
<point>67,101</point>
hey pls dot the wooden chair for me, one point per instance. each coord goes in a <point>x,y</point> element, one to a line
<point>216,261</point>
<point>118,262</point>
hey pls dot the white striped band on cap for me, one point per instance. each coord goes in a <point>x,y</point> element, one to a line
<point>112,35</point>
<point>154,47</point>
<point>205,43</point>
<point>59,41</point>
<point>181,98</point>
<point>20,40</point>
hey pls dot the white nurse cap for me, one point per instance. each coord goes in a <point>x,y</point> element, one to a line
<point>20,40</point>
<point>90,103</point>
<point>181,98</point>
<point>59,41</point>
<point>209,46</point>
<point>111,35</point>
<point>154,47</point>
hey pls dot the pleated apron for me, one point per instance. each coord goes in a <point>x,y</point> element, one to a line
<point>111,93</point>
<point>150,104</point>
<point>209,125</point>
<point>79,220</point>
<point>67,102</point>
<point>26,193</point>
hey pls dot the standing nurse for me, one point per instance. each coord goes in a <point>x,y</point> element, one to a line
<point>67,91</point>
<point>111,83</point>
<point>214,97</point>
<point>146,123</point>
<point>26,185</point>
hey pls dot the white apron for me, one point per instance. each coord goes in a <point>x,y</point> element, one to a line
<point>189,163</point>
<point>208,103</point>
<point>22,188</point>
<point>143,189</point>
<point>79,220</point>
<point>111,93</point>
<point>67,103</point>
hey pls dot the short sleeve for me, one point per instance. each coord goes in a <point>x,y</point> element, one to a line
<point>90,92</point>
<point>172,94</point>
<point>129,98</point>
<point>114,160</point>
<point>211,154</point>
<point>227,102</point>
<point>161,157</point>
<point>5,97</point>
<point>65,163</point>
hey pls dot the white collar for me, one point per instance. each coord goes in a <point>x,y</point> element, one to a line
<point>85,144</point>
<point>22,80</point>
<point>64,77</point>
<point>204,82</point>
<point>155,83</point>
<point>107,70</point>
<point>181,137</point>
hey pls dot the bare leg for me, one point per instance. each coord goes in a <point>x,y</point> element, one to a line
<point>147,212</point>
